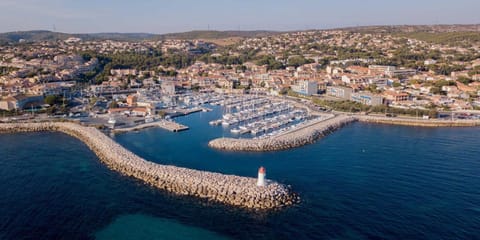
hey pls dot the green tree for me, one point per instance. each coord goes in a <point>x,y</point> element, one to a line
<point>298,61</point>
<point>52,99</point>
<point>113,104</point>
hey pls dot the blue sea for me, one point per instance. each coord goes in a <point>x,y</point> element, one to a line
<point>364,181</point>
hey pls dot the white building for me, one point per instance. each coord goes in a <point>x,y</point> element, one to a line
<point>430,62</point>
<point>306,87</point>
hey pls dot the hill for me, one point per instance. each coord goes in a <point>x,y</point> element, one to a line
<point>217,34</point>
<point>41,35</point>
<point>37,35</point>
<point>453,35</point>
<point>415,28</point>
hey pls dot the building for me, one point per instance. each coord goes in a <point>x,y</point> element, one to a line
<point>354,79</point>
<point>141,111</point>
<point>123,72</point>
<point>465,88</point>
<point>396,96</point>
<point>400,72</point>
<point>306,87</point>
<point>476,77</point>
<point>379,69</point>
<point>340,92</point>
<point>73,40</point>
<point>168,88</point>
<point>429,62</point>
<point>367,98</point>
<point>18,102</point>
<point>132,100</point>
<point>380,82</point>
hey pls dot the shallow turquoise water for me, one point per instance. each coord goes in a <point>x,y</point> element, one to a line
<point>147,227</point>
<point>362,182</point>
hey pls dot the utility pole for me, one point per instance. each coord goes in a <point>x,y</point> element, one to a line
<point>63,100</point>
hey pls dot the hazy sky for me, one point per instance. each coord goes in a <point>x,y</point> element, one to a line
<point>163,16</point>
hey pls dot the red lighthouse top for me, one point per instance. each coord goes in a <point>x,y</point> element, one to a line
<point>261,170</point>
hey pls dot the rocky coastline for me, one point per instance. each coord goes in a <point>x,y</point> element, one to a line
<point>418,122</point>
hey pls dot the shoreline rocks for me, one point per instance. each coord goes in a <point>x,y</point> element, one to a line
<point>419,122</point>
<point>300,137</point>
<point>228,189</point>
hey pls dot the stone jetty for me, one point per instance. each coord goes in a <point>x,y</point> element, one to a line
<point>227,189</point>
<point>295,138</point>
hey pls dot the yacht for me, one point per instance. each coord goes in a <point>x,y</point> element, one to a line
<point>112,121</point>
<point>235,131</point>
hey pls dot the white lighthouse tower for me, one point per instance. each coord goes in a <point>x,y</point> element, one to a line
<point>261,177</point>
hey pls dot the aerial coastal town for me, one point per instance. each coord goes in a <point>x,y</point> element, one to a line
<point>239,119</point>
<point>425,72</point>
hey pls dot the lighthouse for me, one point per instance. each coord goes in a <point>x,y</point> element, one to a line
<point>261,177</point>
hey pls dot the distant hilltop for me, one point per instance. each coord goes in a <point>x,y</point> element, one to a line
<point>42,35</point>
<point>415,28</point>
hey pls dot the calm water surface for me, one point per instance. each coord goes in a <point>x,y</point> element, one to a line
<point>362,182</point>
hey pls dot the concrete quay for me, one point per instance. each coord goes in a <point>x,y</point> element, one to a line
<point>228,189</point>
<point>295,138</point>
<point>167,125</point>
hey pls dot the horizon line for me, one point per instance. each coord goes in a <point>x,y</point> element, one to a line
<point>255,30</point>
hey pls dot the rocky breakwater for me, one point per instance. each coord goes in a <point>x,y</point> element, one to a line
<point>294,138</point>
<point>228,189</point>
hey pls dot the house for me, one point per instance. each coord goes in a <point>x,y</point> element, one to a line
<point>141,111</point>
<point>476,77</point>
<point>132,100</point>
<point>379,70</point>
<point>358,70</point>
<point>123,72</point>
<point>340,92</point>
<point>18,102</point>
<point>465,88</point>
<point>392,96</point>
<point>367,98</point>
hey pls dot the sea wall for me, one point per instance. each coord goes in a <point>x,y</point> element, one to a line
<point>296,138</point>
<point>228,189</point>
<point>418,122</point>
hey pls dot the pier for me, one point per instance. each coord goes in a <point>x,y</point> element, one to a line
<point>228,189</point>
<point>167,125</point>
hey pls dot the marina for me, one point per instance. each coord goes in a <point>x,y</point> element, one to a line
<point>261,117</point>
<point>244,115</point>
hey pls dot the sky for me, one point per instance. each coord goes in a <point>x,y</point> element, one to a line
<point>166,16</point>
